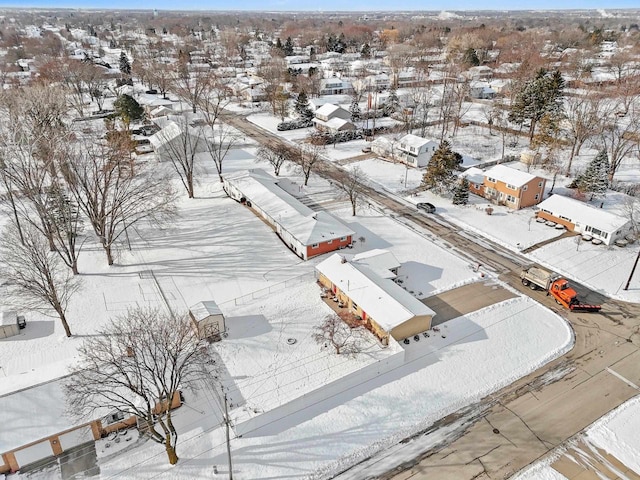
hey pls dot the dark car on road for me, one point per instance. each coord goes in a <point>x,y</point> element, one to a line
<point>427,207</point>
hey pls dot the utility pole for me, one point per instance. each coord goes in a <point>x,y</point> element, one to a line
<point>635,264</point>
<point>227,426</point>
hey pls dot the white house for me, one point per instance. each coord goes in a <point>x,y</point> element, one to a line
<point>481,90</point>
<point>332,118</point>
<point>175,140</point>
<point>583,218</point>
<point>305,232</point>
<point>207,320</point>
<point>416,151</point>
<point>335,86</point>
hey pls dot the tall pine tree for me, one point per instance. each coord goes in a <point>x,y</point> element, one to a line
<point>439,175</point>
<point>125,66</point>
<point>301,106</point>
<point>354,109</point>
<point>392,105</point>
<point>461,192</point>
<point>288,46</point>
<point>595,179</point>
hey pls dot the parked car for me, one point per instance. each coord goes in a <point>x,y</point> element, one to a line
<point>427,207</point>
<point>366,149</point>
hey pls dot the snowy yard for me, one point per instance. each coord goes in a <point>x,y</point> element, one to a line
<point>218,249</point>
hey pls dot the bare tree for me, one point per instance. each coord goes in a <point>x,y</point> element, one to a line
<point>584,117</point>
<point>190,85</point>
<point>219,140</point>
<point>619,138</point>
<point>275,155</point>
<point>111,196</point>
<point>137,365</point>
<point>37,280</point>
<point>352,183</point>
<point>334,331</point>
<point>310,159</point>
<point>179,145</point>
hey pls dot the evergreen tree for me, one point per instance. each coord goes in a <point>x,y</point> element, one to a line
<point>125,66</point>
<point>279,44</point>
<point>331,43</point>
<point>538,97</point>
<point>470,58</point>
<point>392,105</point>
<point>365,51</point>
<point>288,46</point>
<point>301,106</point>
<point>439,174</point>
<point>461,193</point>
<point>595,179</point>
<point>128,109</point>
<point>354,109</point>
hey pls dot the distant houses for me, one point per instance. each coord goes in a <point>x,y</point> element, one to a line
<point>305,232</point>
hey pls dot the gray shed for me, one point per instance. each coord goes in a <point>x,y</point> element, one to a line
<point>8,324</point>
<point>207,320</point>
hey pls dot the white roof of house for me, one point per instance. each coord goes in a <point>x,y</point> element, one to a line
<point>384,301</point>
<point>412,140</point>
<point>34,413</point>
<point>202,310</point>
<point>473,174</point>
<point>379,260</point>
<point>334,123</point>
<point>327,109</point>
<point>583,213</point>
<point>8,317</point>
<point>170,132</point>
<point>509,175</point>
<point>307,226</point>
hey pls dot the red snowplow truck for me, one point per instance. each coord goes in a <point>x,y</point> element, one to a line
<point>538,278</point>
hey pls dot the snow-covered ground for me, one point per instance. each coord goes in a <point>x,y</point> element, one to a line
<point>217,249</point>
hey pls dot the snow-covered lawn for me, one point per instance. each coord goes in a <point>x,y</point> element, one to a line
<point>391,175</point>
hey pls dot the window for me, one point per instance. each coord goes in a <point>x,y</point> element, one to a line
<point>315,245</point>
<point>540,184</point>
<point>511,198</point>
<point>354,305</point>
<point>330,242</point>
<point>343,239</point>
<point>492,180</point>
<point>511,187</point>
<point>537,196</point>
<point>524,189</point>
<point>476,186</point>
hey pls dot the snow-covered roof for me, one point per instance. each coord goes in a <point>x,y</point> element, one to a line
<point>473,174</point>
<point>202,310</point>
<point>32,414</point>
<point>172,131</point>
<point>327,109</point>
<point>304,224</point>
<point>411,140</point>
<point>583,213</point>
<point>334,123</point>
<point>509,175</point>
<point>8,317</point>
<point>384,301</point>
<point>378,260</point>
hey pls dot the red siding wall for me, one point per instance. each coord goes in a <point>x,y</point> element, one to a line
<point>325,247</point>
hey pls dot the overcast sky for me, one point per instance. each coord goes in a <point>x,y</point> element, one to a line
<point>327,5</point>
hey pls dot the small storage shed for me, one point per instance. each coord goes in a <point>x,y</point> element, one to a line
<point>8,324</point>
<point>207,320</point>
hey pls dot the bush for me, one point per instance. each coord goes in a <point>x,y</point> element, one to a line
<point>294,124</point>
